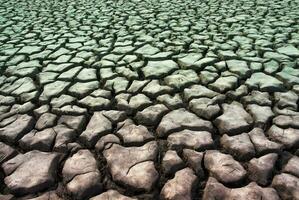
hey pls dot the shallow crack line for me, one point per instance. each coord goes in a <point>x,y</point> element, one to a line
<point>1,120</point>
<point>79,175</point>
<point>137,164</point>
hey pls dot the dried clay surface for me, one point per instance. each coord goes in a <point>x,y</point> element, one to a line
<point>149,100</point>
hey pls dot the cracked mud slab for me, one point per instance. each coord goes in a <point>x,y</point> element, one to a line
<point>154,99</point>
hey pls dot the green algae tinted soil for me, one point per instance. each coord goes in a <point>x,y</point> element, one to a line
<point>153,99</point>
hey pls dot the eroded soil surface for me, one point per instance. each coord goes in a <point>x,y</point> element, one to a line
<point>153,99</point>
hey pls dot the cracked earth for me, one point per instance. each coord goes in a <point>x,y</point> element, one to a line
<point>153,99</point>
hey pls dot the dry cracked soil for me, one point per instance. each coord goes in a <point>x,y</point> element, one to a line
<point>149,99</point>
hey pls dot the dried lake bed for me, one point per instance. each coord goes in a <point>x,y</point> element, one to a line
<point>153,99</point>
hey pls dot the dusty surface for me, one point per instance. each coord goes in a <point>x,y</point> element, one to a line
<point>154,99</point>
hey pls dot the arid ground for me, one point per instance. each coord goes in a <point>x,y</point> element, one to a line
<point>149,99</point>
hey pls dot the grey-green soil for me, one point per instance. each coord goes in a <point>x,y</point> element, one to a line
<point>149,99</point>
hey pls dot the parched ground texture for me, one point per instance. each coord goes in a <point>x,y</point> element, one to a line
<point>152,99</point>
